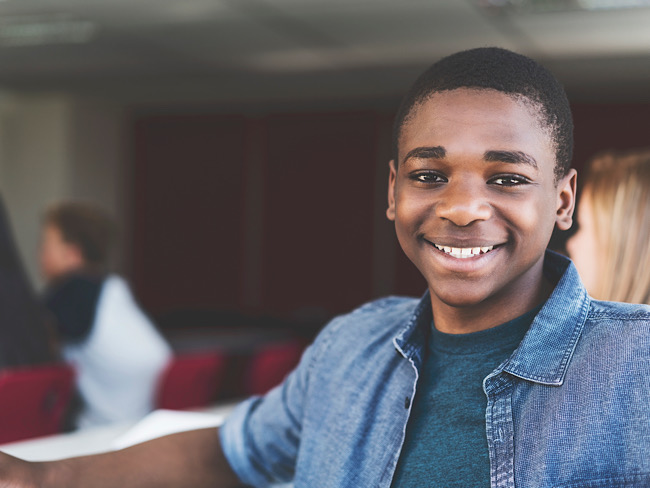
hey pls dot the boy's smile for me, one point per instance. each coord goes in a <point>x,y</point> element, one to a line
<point>474,200</point>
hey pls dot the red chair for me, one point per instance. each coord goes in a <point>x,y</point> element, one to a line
<point>191,381</point>
<point>271,364</point>
<point>34,400</point>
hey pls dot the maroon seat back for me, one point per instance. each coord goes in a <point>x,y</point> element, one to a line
<point>191,381</point>
<point>34,400</point>
<point>271,364</point>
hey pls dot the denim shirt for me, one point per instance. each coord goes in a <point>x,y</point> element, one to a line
<point>569,408</point>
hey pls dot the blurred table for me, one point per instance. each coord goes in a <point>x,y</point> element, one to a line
<point>88,441</point>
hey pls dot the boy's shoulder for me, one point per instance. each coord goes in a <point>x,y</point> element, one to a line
<point>614,324</point>
<point>603,310</point>
<point>383,310</point>
<point>391,304</point>
<point>378,318</point>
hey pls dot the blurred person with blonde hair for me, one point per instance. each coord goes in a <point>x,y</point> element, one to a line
<point>116,349</point>
<point>611,247</point>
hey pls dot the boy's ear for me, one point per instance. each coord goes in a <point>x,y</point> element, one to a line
<point>566,200</point>
<point>390,211</point>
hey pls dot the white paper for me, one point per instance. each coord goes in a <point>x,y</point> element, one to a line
<point>164,422</point>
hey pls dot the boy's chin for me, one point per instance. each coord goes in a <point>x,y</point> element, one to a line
<point>465,302</point>
<point>462,297</point>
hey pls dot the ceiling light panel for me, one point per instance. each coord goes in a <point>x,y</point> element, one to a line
<point>33,30</point>
<point>366,33</point>
<point>586,34</point>
<point>544,6</point>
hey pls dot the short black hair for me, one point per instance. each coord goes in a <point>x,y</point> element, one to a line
<point>507,72</point>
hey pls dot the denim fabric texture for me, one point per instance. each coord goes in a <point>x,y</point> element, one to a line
<point>570,408</point>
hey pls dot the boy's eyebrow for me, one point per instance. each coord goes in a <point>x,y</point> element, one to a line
<point>514,157</point>
<point>432,152</point>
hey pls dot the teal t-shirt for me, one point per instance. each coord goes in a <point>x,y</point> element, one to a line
<point>446,442</point>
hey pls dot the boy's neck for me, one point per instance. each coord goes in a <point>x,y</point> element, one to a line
<point>488,314</point>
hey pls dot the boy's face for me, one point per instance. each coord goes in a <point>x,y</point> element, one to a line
<point>474,198</point>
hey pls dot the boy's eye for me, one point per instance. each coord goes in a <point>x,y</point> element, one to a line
<point>428,177</point>
<point>509,180</point>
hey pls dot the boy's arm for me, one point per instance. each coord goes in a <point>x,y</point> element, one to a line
<point>193,458</point>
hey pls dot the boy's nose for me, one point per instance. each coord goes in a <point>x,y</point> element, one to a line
<point>462,205</point>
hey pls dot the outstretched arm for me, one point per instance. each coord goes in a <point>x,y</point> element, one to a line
<point>193,458</point>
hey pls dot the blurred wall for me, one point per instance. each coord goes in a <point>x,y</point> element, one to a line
<point>55,147</point>
<point>282,213</point>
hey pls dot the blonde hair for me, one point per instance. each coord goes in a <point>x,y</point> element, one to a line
<point>619,187</point>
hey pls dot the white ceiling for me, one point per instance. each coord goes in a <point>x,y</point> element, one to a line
<point>251,51</point>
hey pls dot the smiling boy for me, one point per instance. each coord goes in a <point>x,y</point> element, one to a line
<point>474,197</point>
<point>505,373</point>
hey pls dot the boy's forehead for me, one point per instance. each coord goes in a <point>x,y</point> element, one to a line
<point>475,98</point>
<point>474,103</point>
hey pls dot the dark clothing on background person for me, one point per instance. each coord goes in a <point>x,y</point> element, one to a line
<point>25,339</point>
<point>24,335</point>
<point>73,302</point>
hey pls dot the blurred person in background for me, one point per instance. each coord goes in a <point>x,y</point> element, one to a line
<point>25,338</point>
<point>611,247</point>
<point>116,349</point>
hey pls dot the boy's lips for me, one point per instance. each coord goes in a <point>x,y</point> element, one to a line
<point>466,250</point>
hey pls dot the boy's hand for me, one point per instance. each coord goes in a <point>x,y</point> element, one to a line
<point>192,458</point>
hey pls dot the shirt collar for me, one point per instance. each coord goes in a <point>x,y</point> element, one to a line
<point>411,340</point>
<point>544,354</point>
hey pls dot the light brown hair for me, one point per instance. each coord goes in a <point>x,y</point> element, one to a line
<point>87,226</point>
<point>619,187</point>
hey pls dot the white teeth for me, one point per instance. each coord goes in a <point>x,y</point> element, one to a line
<point>464,252</point>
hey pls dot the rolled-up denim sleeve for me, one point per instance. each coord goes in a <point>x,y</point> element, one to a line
<point>261,437</point>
